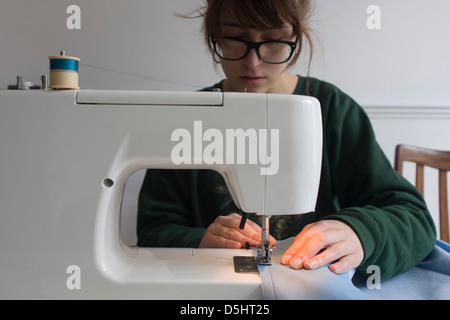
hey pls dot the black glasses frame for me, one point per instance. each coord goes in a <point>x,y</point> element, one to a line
<point>256,45</point>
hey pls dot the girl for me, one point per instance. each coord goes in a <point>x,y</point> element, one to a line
<point>366,213</point>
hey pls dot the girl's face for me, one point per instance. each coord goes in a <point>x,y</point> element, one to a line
<point>251,74</point>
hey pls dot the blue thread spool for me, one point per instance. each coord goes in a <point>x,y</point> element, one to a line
<point>64,72</point>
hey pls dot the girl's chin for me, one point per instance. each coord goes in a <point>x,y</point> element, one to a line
<point>252,88</point>
<point>240,86</point>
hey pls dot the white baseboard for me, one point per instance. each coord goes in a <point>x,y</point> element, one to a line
<point>408,112</point>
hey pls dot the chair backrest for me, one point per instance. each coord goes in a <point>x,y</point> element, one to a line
<point>430,158</point>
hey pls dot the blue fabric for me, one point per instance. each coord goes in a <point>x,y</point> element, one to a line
<point>430,279</point>
<point>439,259</point>
<point>443,245</point>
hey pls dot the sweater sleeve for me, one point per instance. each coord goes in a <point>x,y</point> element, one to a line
<point>387,213</point>
<point>166,211</point>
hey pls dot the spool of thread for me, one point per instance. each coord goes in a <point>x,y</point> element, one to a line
<point>64,72</point>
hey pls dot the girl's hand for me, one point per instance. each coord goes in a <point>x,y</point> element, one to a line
<point>224,232</point>
<point>324,242</point>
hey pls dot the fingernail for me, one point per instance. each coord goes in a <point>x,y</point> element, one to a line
<point>310,264</point>
<point>295,264</point>
<point>285,260</point>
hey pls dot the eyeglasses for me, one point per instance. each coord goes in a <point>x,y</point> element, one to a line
<point>273,51</point>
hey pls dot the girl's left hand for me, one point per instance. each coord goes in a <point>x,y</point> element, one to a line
<point>324,242</point>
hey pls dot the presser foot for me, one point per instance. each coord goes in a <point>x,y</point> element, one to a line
<point>264,254</point>
<point>249,264</point>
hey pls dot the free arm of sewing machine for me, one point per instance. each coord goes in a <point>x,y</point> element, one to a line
<point>282,174</point>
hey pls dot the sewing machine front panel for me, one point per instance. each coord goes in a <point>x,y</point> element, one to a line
<point>56,156</point>
<point>66,156</point>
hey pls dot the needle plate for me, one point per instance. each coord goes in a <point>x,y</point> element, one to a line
<point>245,264</point>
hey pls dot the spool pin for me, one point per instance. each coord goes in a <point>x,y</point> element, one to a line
<point>64,72</point>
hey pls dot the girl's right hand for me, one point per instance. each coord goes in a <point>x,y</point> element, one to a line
<point>224,232</point>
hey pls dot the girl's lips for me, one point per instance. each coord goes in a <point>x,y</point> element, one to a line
<point>252,80</point>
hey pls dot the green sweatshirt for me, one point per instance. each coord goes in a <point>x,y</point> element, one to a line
<point>358,186</point>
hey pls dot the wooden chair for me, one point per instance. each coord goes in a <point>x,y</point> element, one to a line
<point>431,158</point>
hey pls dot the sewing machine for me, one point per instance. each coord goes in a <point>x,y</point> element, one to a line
<point>66,156</point>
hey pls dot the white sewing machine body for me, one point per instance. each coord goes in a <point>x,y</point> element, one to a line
<point>65,157</point>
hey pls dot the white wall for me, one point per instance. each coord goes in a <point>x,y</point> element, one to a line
<point>140,44</point>
<point>405,63</point>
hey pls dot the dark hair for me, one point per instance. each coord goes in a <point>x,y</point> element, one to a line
<point>259,15</point>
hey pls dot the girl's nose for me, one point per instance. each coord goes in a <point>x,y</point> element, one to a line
<point>252,58</point>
